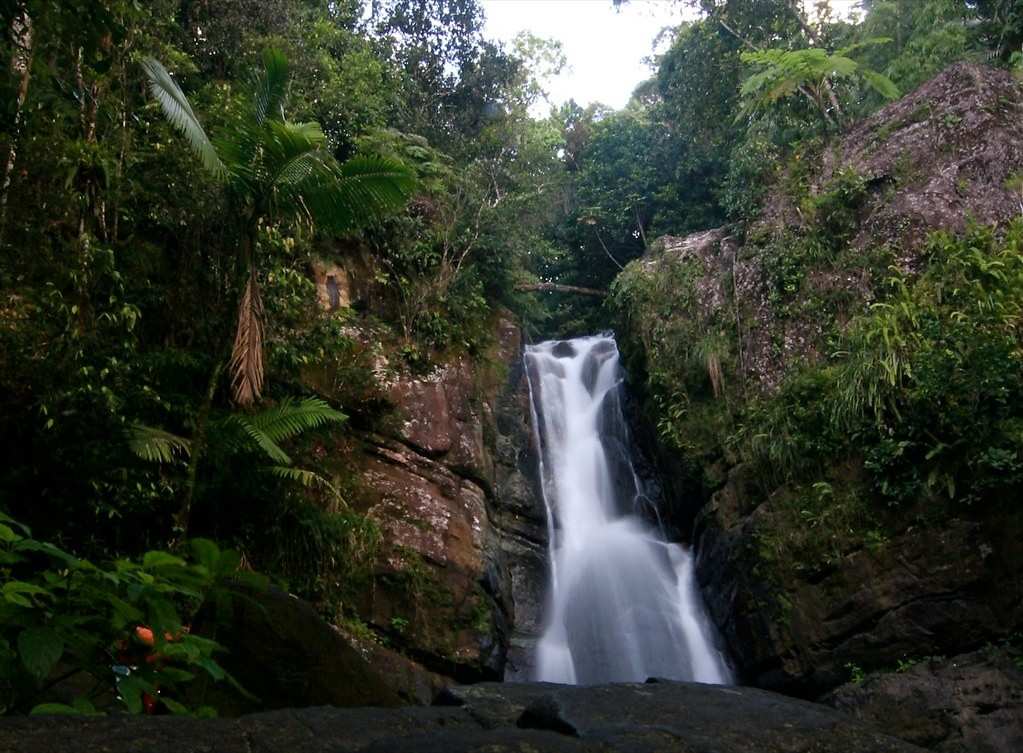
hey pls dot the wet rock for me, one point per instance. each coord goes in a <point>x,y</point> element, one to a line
<point>452,486</point>
<point>563,349</point>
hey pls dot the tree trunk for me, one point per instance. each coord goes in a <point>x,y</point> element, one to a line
<point>542,287</point>
<point>200,438</point>
<point>21,66</point>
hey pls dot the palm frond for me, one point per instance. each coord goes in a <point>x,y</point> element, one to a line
<point>282,144</point>
<point>156,445</point>
<point>179,112</point>
<point>291,417</point>
<point>343,197</point>
<point>247,354</point>
<point>272,86</point>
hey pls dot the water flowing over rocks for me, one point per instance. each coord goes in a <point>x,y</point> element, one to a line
<point>623,605</point>
<point>658,717</point>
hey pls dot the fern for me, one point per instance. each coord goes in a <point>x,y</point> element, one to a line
<point>291,417</point>
<point>306,478</point>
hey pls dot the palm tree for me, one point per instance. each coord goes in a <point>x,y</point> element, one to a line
<point>272,170</point>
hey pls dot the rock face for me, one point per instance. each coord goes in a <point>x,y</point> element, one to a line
<point>661,717</point>
<point>926,592</point>
<point>450,483</point>
<point>971,703</point>
<point>940,157</point>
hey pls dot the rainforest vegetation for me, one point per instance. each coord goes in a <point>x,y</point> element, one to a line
<point>175,170</point>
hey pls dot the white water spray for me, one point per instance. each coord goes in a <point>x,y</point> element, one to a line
<point>624,605</point>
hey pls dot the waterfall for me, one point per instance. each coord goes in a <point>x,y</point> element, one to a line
<point>623,602</point>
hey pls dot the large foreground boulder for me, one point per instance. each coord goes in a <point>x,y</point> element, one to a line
<point>661,716</point>
<point>972,703</point>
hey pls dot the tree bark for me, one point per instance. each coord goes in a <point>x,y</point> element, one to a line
<point>542,287</point>
<point>21,65</point>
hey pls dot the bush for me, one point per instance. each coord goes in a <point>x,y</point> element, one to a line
<point>103,637</point>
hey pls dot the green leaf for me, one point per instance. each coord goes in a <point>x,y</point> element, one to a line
<point>55,709</point>
<point>16,591</point>
<point>212,668</point>
<point>178,709</point>
<point>130,690</point>
<point>31,545</point>
<point>157,559</point>
<point>163,616</point>
<point>880,83</point>
<point>206,553</point>
<point>271,87</point>
<point>7,534</point>
<point>40,649</point>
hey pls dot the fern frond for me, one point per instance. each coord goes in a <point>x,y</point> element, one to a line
<point>179,112</point>
<point>269,447</point>
<point>291,417</point>
<point>880,83</point>
<point>306,478</point>
<point>156,445</point>
<point>247,354</point>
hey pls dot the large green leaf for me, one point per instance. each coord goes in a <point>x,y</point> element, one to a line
<point>40,649</point>
<point>880,83</point>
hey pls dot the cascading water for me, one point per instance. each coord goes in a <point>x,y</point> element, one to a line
<point>623,604</point>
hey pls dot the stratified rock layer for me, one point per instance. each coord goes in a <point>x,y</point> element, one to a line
<point>653,717</point>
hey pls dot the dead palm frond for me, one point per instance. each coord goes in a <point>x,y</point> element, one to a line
<point>246,365</point>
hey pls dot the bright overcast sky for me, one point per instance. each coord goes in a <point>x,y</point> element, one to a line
<point>605,47</point>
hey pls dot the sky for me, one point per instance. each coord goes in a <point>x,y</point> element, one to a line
<point>605,47</point>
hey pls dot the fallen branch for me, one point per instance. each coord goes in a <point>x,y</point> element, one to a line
<point>540,287</point>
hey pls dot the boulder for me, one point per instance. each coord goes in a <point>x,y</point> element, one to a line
<point>927,591</point>
<point>657,717</point>
<point>285,654</point>
<point>971,703</point>
<point>451,483</point>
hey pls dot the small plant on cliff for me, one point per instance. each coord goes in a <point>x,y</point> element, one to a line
<point>856,673</point>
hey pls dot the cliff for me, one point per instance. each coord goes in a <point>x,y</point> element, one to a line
<point>807,373</point>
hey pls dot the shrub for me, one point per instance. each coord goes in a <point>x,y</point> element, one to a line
<point>122,625</point>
